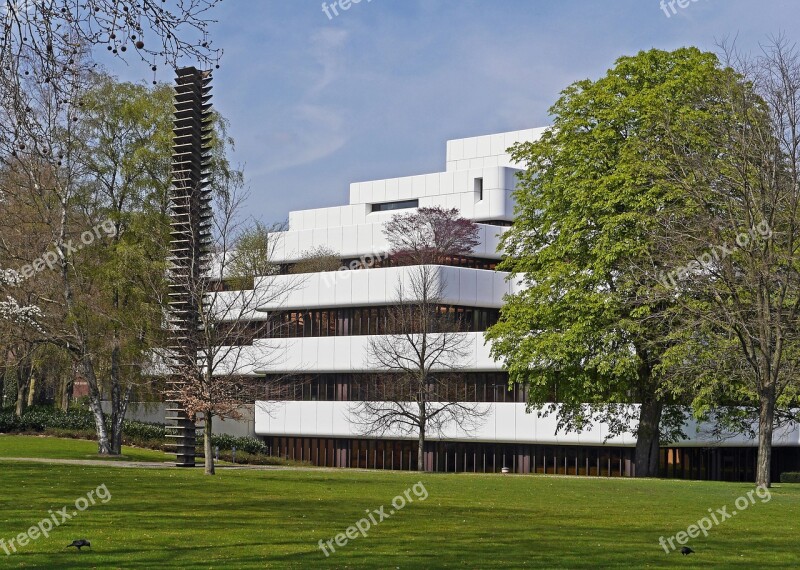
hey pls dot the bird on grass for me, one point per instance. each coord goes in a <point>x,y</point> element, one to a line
<point>80,543</point>
<point>686,551</point>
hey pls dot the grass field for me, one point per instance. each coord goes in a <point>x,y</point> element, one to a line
<point>55,448</point>
<point>169,518</point>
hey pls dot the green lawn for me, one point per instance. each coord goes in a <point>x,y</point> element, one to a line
<point>170,518</point>
<point>56,448</point>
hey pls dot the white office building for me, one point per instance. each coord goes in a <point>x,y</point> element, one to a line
<point>321,353</point>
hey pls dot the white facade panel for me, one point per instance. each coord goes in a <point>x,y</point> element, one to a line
<point>379,191</point>
<point>392,190</point>
<point>315,355</point>
<point>484,145</point>
<point>498,144</point>
<point>470,148</point>
<point>405,188</point>
<point>336,238</point>
<point>503,422</point>
<point>379,286</point>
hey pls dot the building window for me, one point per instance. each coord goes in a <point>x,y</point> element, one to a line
<point>387,206</point>
<point>464,387</point>
<point>479,188</point>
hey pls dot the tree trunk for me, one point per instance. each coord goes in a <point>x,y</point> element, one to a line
<point>119,403</point>
<point>647,438</point>
<point>209,459</point>
<point>95,404</point>
<point>766,419</point>
<point>22,389</point>
<point>67,384</point>
<point>119,407</point>
<point>23,381</point>
<point>423,420</point>
<point>32,387</point>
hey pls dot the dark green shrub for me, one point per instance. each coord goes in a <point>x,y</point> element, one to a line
<point>221,440</point>
<point>790,477</point>
<point>141,430</point>
<point>8,421</point>
<point>247,444</point>
<point>72,433</point>
<point>245,458</point>
<point>39,418</point>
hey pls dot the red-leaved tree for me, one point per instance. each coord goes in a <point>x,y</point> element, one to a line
<point>430,236</point>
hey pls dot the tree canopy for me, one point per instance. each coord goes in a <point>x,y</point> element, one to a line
<point>585,331</point>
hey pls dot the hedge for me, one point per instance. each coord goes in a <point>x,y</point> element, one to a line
<point>41,418</point>
<point>790,477</point>
<point>247,444</point>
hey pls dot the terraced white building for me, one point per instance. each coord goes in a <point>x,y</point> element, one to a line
<point>321,350</point>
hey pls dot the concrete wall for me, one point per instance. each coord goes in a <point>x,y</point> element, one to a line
<point>153,412</point>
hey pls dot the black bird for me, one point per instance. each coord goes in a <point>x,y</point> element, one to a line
<point>80,543</point>
<point>686,551</point>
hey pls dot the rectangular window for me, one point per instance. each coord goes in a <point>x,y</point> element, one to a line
<point>479,188</point>
<point>388,206</point>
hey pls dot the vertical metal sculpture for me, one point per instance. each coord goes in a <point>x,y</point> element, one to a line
<point>190,240</point>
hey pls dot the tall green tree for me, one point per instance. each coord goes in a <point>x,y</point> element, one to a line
<point>589,329</point>
<point>96,234</point>
<point>126,165</point>
<point>97,226</point>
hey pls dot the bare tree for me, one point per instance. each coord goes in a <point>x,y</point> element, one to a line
<point>49,43</point>
<point>217,368</point>
<point>423,346</point>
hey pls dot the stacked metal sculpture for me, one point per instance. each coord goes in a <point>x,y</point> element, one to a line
<point>190,239</point>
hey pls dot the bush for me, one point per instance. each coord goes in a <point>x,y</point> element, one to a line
<point>790,477</point>
<point>78,423</point>
<point>8,422</point>
<point>247,444</point>
<point>72,433</point>
<point>141,430</point>
<point>256,459</point>
<point>39,418</point>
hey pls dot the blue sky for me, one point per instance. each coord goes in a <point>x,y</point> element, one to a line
<point>316,103</point>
